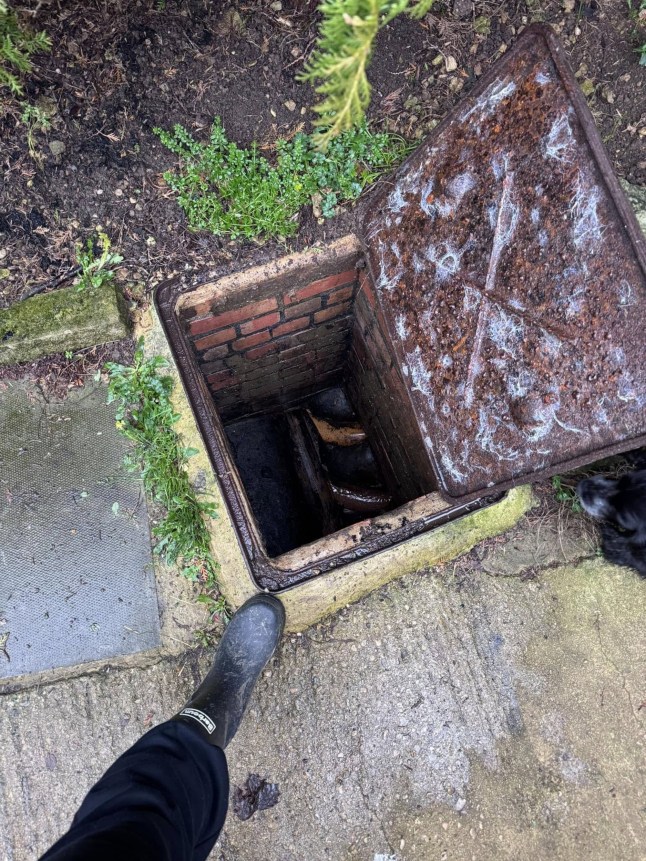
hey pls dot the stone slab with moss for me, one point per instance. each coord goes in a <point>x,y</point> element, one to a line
<point>66,319</point>
<point>310,601</point>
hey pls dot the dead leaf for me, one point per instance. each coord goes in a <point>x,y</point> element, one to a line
<point>388,102</point>
<point>317,200</point>
<point>231,23</point>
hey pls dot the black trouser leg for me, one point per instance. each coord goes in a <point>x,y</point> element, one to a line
<point>165,799</point>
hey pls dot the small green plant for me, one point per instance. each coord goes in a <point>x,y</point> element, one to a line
<point>146,417</point>
<point>344,48</point>
<point>638,14</point>
<point>96,270</point>
<point>36,120</point>
<point>17,45</point>
<point>226,189</point>
<point>565,494</point>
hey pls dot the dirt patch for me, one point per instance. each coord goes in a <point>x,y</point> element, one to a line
<point>256,794</point>
<point>118,70</point>
<point>57,375</point>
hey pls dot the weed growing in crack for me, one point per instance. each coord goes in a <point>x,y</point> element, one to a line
<point>146,417</point>
<point>227,189</point>
<point>96,269</point>
<point>565,494</point>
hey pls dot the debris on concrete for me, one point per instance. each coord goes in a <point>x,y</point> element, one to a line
<point>257,793</point>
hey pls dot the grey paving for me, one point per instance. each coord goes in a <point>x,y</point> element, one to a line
<point>76,581</point>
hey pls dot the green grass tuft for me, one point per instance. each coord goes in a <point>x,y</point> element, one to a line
<point>229,190</point>
<point>146,417</point>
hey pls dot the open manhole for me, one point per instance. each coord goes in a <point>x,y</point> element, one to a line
<point>284,366</point>
<point>483,328</point>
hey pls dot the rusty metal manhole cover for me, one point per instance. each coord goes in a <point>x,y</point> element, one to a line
<point>506,262</point>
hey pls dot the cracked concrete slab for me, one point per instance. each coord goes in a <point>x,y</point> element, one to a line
<point>442,717</point>
<point>480,718</point>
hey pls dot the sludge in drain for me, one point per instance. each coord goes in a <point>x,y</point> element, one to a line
<point>308,471</point>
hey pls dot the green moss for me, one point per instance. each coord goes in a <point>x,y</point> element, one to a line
<point>482,25</point>
<point>637,197</point>
<point>61,320</point>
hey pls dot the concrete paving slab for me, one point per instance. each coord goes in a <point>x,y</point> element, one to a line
<point>444,717</point>
<point>458,719</point>
<point>76,576</point>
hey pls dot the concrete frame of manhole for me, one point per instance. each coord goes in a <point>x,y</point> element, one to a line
<point>311,600</point>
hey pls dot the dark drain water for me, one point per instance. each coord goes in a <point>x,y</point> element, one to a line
<point>265,459</point>
<point>307,472</point>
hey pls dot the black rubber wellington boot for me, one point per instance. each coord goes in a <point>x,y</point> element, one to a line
<point>250,639</point>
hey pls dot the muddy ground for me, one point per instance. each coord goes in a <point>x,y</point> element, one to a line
<point>116,70</point>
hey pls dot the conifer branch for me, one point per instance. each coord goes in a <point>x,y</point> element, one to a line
<point>344,49</point>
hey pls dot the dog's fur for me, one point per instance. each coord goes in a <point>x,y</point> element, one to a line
<point>621,504</point>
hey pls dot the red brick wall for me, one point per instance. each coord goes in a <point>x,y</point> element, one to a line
<point>377,391</point>
<point>277,348</point>
<point>272,343</point>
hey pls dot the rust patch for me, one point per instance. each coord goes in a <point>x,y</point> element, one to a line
<point>506,262</point>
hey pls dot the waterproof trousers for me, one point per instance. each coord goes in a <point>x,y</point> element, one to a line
<point>164,799</point>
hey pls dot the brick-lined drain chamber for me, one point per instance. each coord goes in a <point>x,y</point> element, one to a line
<point>301,405</point>
<point>494,336</point>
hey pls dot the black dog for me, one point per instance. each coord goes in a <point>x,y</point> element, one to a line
<point>621,504</point>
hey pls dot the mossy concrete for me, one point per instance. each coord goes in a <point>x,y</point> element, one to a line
<point>66,319</point>
<point>310,601</point>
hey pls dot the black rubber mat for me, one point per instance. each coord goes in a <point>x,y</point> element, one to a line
<point>76,579</point>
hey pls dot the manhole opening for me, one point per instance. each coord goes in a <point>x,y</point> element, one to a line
<point>310,399</point>
<point>495,344</point>
<point>302,476</point>
<point>305,397</point>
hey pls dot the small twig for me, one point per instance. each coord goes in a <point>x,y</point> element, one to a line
<point>53,282</point>
<point>3,645</point>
